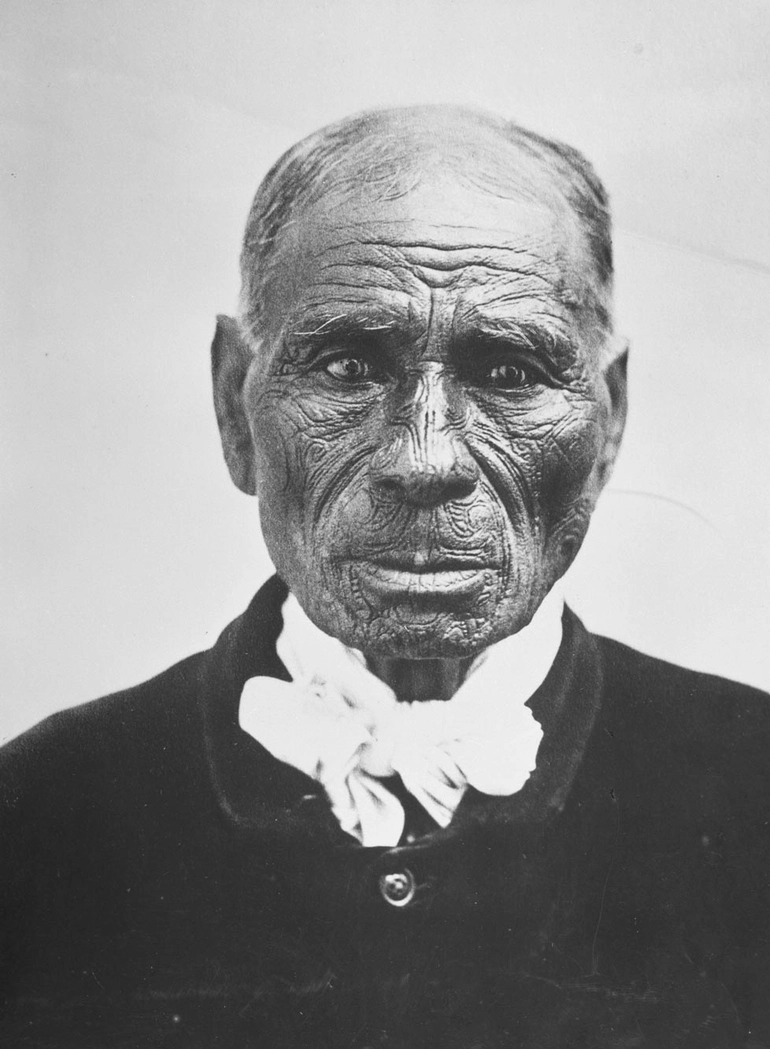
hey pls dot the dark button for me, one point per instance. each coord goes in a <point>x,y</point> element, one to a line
<point>398,888</point>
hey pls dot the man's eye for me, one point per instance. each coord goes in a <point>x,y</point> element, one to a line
<point>510,377</point>
<point>350,369</point>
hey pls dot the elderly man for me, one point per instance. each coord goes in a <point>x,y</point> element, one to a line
<point>407,799</point>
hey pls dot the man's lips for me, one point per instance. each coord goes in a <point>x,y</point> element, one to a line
<point>433,581</point>
<point>428,565</point>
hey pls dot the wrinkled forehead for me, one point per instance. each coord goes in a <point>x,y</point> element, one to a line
<point>444,211</point>
<point>439,229</point>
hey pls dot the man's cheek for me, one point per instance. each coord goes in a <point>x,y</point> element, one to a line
<point>567,496</point>
<point>276,465</point>
<point>281,469</point>
<point>540,463</point>
<point>567,460</point>
<point>511,462</point>
<point>307,469</point>
<point>288,443</point>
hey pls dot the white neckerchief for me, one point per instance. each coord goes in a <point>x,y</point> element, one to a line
<point>338,723</point>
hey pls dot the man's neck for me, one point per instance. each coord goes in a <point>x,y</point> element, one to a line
<point>417,680</point>
<point>308,653</point>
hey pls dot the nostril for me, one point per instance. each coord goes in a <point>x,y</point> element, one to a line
<point>463,484</point>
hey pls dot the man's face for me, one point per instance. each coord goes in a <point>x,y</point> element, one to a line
<point>428,414</point>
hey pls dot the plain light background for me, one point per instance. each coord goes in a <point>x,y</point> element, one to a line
<point>133,137</point>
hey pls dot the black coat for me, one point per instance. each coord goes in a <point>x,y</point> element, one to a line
<point>171,884</point>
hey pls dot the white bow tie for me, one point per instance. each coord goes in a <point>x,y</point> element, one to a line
<point>338,723</point>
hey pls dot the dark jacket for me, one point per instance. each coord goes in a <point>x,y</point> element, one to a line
<point>168,883</point>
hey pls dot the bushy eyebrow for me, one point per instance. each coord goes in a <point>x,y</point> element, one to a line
<point>340,325</point>
<point>321,325</point>
<point>538,337</point>
<point>309,334</point>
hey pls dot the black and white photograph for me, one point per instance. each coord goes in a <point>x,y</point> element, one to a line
<point>385,524</point>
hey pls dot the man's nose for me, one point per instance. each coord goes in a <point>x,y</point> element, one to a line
<point>424,459</point>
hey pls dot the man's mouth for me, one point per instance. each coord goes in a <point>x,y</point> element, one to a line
<point>429,565</point>
<point>431,581</point>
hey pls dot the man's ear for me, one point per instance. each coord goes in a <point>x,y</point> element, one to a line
<point>616,378</point>
<point>230,360</point>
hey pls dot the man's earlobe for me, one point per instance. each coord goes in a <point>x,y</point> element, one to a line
<point>616,378</point>
<point>230,359</point>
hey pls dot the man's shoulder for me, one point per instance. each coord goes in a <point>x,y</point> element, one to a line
<point>133,733</point>
<point>658,680</point>
<point>697,719</point>
<point>148,738</point>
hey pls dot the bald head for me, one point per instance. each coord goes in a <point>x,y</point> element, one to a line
<point>382,155</point>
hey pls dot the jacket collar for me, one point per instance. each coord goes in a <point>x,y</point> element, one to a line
<point>256,792</point>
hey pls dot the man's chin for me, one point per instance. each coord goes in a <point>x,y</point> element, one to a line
<point>428,637</point>
<point>414,632</point>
